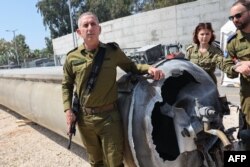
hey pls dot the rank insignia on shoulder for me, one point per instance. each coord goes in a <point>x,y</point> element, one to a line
<point>217,47</point>
<point>113,45</point>
<point>231,37</point>
<point>189,47</point>
<point>216,44</point>
<point>72,51</point>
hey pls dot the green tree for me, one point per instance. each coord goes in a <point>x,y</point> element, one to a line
<point>9,50</point>
<point>46,52</point>
<point>109,9</point>
<point>23,49</point>
<point>4,52</point>
<point>56,15</point>
<point>49,47</point>
<point>37,53</point>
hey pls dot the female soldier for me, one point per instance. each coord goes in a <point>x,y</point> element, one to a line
<point>204,52</point>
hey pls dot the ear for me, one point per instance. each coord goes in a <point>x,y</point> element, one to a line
<point>78,32</point>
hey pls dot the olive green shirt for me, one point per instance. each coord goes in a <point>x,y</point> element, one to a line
<point>238,47</point>
<point>207,61</point>
<point>78,66</point>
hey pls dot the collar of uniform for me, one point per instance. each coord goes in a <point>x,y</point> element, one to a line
<point>84,51</point>
<point>196,47</point>
<point>102,45</point>
<point>239,34</point>
<point>81,47</point>
<point>245,35</point>
<point>210,48</point>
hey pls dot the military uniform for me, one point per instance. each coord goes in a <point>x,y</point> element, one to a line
<point>101,132</point>
<point>207,61</point>
<point>238,49</point>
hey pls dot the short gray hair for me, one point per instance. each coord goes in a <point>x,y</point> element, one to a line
<point>86,14</point>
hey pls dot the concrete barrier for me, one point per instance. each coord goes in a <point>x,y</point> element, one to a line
<point>36,94</point>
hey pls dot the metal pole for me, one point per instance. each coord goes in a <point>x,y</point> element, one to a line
<point>14,39</point>
<point>71,23</point>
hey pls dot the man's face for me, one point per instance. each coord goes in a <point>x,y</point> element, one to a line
<point>240,16</point>
<point>89,29</point>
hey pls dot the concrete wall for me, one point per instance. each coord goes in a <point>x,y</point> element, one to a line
<point>36,94</point>
<point>165,25</point>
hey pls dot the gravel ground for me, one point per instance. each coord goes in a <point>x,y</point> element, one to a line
<point>30,145</point>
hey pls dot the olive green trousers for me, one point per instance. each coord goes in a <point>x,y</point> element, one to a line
<point>245,106</point>
<point>102,135</point>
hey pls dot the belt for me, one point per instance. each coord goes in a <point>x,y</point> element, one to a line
<point>97,110</point>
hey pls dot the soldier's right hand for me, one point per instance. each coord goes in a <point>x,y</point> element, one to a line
<point>243,68</point>
<point>70,118</point>
<point>156,73</point>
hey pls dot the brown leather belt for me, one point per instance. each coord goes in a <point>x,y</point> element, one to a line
<point>96,110</point>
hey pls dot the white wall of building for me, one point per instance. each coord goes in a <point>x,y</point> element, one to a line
<point>165,25</point>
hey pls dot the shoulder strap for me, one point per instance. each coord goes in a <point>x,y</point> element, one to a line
<point>72,51</point>
<point>113,45</point>
<point>97,63</point>
<point>231,37</point>
<point>189,47</point>
<point>217,48</point>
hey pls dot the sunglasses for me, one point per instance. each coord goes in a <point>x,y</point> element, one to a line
<point>237,16</point>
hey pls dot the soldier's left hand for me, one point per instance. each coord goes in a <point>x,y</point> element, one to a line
<point>156,73</point>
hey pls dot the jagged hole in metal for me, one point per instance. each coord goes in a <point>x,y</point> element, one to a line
<point>164,135</point>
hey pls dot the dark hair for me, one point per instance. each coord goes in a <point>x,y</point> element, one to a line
<point>245,3</point>
<point>201,26</point>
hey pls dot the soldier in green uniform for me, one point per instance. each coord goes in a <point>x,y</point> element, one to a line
<point>204,52</point>
<point>237,59</point>
<point>99,121</point>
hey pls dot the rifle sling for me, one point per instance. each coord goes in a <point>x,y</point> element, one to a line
<point>96,67</point>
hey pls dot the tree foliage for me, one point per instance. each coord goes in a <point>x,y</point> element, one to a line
<point>4,52</point>
<point>18,51</point>
<point>49,46</point>
<point>55,16</point>
<point>23,49</point>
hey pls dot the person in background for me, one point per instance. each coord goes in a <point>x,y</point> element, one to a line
<point>99,121</point>
<point>204,52</point>
<point>237,59</point>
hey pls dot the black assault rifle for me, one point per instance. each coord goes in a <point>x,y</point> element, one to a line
<point>75,109</point>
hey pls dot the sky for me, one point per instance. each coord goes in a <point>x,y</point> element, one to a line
<point>23,16</point>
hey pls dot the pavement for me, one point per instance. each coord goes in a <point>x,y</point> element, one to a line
<point>231,91</point>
